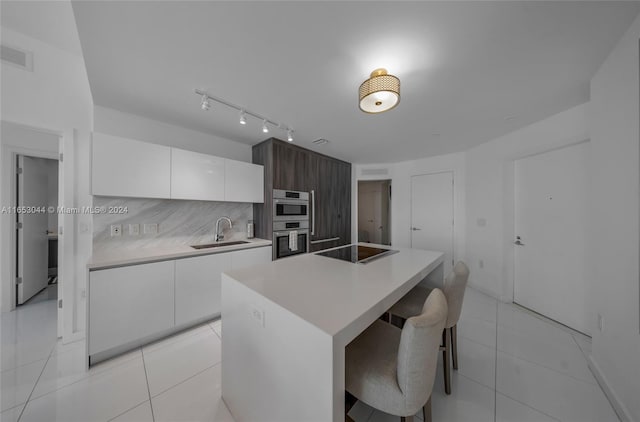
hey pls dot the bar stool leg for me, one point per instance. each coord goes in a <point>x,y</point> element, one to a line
<point>445,361</point>
<point>454,346</point>
<point>426,411</point>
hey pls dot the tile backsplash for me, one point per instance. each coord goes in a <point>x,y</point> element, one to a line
<point>179,222</point>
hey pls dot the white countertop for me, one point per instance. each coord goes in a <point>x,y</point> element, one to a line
<point>119,258</point>
<point>331,294</point>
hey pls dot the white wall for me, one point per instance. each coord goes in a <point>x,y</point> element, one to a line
<point>400,175</point>
<point>490,195</point>
<point>56,97</point>
<point>614,221</point>
<point>114,122</point>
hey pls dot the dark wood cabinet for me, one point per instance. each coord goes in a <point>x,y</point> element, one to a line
<point>328,181</point>
<point>289,167</point>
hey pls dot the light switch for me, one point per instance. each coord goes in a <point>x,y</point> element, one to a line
<point>134,229</point>
<point>151,228</point>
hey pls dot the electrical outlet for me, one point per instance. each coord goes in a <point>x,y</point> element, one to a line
<point>134,229</point>
<point>257,315</point>
<point>116,230</point>
<point>151,228</point>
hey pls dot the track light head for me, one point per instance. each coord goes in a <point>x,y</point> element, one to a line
<point>205,103</point>
<point>289,135</point>
<point>265,129</point>
<point>243,119</point>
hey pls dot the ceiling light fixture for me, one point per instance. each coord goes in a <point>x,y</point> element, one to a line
<point>381,92</point>
<point>206,103</point>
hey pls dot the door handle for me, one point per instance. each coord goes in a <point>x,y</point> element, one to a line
<point>313,212</point>
<point>415,229</point>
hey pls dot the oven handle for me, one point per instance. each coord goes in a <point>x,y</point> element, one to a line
<point>331,239</point>
<point>313,212</point>
<point>286,233</point>
<point>290,201</point>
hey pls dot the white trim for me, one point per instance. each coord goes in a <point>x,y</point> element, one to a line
<point>616,403</point>
<point>487,292</point>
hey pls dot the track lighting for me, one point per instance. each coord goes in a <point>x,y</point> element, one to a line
<point>244,113</point>
<point>205,103</point>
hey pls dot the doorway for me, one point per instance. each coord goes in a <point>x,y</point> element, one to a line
<point>36,229</point>
<point>18,142</point>
<point>550,227</point>
<point>432,221</point>
<point>374,211</point>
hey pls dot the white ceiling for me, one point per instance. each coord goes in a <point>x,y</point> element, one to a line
<point>465,67</point>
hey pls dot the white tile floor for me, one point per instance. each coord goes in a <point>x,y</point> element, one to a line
<point>514,367</point>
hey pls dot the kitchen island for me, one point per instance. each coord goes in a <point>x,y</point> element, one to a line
<point>286,325</point>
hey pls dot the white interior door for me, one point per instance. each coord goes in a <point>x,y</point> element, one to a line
<point>369,215</point>
<point>432,214</point>
<point>550,220</point>
<point>32,227</point>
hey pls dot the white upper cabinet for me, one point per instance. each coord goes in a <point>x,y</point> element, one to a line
<point>123,167</point>
<point>197,176</point>
<point>244,182</point>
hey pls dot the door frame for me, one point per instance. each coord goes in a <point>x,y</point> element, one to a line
<point>14,194</point>
<point>357,200</point>
<point>454,251</point>
<point>8,162</point>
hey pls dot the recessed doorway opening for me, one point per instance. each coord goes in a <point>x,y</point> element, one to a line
<point>374,211</point>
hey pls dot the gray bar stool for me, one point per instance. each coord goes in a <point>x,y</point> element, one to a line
<point>454,287</point>
<point>393,370</point>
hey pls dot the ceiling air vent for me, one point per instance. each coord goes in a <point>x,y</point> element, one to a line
<point>16,57</point>
<point>320,141</point>
<point>374,172</point>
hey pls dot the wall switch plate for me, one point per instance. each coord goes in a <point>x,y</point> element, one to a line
<point>134,229</point>
<point>151,228</point>
<point>257,315</point>
<point>481,263</point>
<point>116,230</point>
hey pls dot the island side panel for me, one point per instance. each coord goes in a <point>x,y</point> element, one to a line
<point>435,278</point>
<point>275,366</point>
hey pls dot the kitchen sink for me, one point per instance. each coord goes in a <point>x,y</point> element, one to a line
<point>220,244</point>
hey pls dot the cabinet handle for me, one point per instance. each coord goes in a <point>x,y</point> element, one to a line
<point>313,212</point>
<point>331,239</point>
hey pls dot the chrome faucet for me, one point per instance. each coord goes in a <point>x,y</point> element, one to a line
<point>219,237</point>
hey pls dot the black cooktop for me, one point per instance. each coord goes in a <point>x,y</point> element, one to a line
<point>357,253</point>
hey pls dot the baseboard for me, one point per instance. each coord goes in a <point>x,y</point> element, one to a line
<point>483,290</point>
<point>616,403</point>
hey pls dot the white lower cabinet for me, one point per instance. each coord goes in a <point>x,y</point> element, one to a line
<point>129,303</point>
<point>198,282</point>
